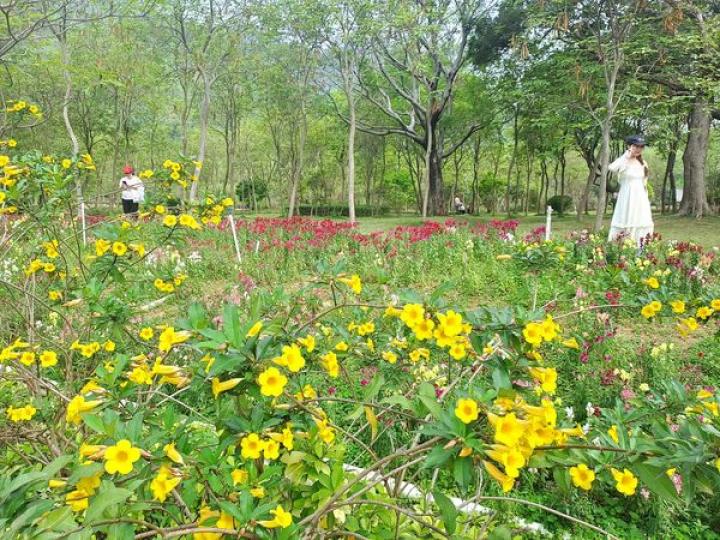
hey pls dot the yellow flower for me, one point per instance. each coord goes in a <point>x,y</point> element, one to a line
<point>220,387</point>
<point>169,338</point>
<point>251,446</point>
<point>254,330</point>
<point>582,477</point>
<point>109,346</point>
<point>19,414</point>
<point>120,458</point>
<point>141,375</point>
<point>715,304</point>
<point>550,328</point>
<point>27,358</point>
<point>614,434</point>
<point>291,358</point>
<point>678,306</point>
<point>282,519</point>
<point>508,429</point>
<point>119,248</point>
<point>390,356</point>
<point>342,346</point>
<point>146,333</point>
<point>271,449</point>
<point>571,343</point>
<point>173,454</point>
<point>652,282</point>
<point>353,282</point>
<point>102,246</point>
<point>186,220</point>
<point>457,351</point>
<point>308,342</point>
<point>258,492</point>
<point>412,314</point>
<point>325,431</point>
<point>77,406</point>
<point>163,484</point>
<point>160,209</point>
<point>239,476</point>
<point>170,220</point>
<point>66,163</point>
<point>77,500</point>
<point>506,482</point>
<point>533,333</point>
<point>648,312</point>
<point>451,323</point>
<point>48,359</point>
<point>330,364</point>
<point>703,312</point>
<point>547,378</point>
<point>91,387</point>
<point>466,410</point>
<point>272,382</point>
<point>55,484</point>
<point>423,329</point>
<point>626,481</point>
<point>511,459</point>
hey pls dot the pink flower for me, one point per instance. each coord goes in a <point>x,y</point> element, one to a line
<point>331,390</point>
<point>627,393</point>
<point>363,382</point>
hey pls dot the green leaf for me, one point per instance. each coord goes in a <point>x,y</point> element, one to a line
<point>447,510</point>
<point>500,533</point>
<point>107,498</point>
<point>437,457</point>
<point>231,326</point>
<point>501,378</point>
<point>656,480</point>
<point>426,394</point>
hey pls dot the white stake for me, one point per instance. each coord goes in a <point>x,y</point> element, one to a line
<point>548,223</point>
<point>235,238</point>
<point>83,221</point>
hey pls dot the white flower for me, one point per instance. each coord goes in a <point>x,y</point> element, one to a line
<point>570,413</point>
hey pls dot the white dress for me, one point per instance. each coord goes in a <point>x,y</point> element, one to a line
<point>632,215</point>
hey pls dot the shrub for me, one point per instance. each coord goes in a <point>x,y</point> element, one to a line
<point>560,203</point>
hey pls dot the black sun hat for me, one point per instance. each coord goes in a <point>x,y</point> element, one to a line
<point>635,139</point>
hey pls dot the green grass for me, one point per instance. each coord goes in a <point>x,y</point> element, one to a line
<point>704,231</point>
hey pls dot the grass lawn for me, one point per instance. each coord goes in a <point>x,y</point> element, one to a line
<point>704,231</point>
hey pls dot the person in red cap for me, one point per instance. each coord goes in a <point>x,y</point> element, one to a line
<point>133,191</point>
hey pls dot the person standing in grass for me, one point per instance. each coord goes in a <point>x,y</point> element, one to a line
<point>133,191</point>
<point>632,216</point>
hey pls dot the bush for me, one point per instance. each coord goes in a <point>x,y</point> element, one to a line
<point>560,203</point>
<point>341,210</point>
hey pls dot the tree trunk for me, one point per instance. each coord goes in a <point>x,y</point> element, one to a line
<point>204,114</point>
<point>512,162</point>
<point>351,153</point>
<point>604,160</point>
<point>694,201</point>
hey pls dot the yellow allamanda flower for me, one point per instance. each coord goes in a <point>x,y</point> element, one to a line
<point>582,476</point>
<point>353,282</point>
<point>291,358</point>
<point>508,429</point>
<point>505,481</point>
<point>626,482</point>
<point>511,459</point>
<point>533,333</point>
<point>121,457</point>
<point>547,377</point>
<point>163,484</point>
<point>330,363</point>
<point>272,382</point>
<point>251,446</point>
<point>77,406</point>
<point>281,519</point>
<point>466,410</point>
<point>219,387</point>
<point>254,329</point>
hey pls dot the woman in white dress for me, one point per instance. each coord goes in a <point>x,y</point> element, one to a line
<point>632,216</point>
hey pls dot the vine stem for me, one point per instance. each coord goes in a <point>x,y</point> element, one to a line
<point>542,507</point>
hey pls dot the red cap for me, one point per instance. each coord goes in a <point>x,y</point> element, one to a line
<point>128,169</point>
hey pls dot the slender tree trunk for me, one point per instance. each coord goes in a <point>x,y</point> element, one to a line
<point>429,141</point>
<point>512,161</point>
<point>604,160</point>
<point>694,201</point>
<point>351,147</point>
<point>204,114</point>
